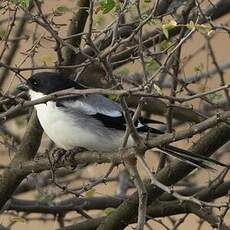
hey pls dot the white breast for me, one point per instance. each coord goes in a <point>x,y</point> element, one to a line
<point>71,130</point>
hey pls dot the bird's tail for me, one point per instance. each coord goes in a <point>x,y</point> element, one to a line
<point>196,160</point>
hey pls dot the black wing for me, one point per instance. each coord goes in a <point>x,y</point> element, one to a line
<point>111,115</point>
<point>119,123</point>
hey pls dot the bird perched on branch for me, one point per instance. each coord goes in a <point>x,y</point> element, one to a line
<point>93,122</point>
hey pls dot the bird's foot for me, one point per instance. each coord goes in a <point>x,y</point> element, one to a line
<point>57,156</point>
<point>62,156</point>
<point>70,157</point>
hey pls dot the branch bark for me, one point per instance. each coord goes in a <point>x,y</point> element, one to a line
<point>11,178</point>
<point>207,145</point>
<point>76,27</point>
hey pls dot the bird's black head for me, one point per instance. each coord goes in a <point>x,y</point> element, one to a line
<point>49,82</point>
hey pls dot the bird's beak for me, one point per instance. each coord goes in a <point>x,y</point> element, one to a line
<point>22,87</point>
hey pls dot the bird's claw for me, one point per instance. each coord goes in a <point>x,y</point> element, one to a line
<point>61,156</point>
<point>57,156</point>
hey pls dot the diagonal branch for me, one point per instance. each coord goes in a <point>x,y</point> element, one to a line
<point>27,150</point>
<point>207,145</point>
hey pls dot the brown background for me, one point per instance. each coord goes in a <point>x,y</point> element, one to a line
<point>221,46</point>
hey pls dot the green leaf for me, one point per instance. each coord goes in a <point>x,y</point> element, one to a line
<point>46,59</point>
<point>158,89</point>
<point>147,1</point>
<point>215,96</point>
<point>124,71</point>
<point>199,67</point>
<point>114,97</point>
<point>61,9</point>
<point>90,193</point>
<point>22,3</point>
<point>168,26</point>
<point>190,25</point>
<point>109,211</point>
<point>18,219</point>
<point>145,15</point>
<point>107,5</point>
<point>205,29</point>
<point>165,44</point>
<point>151,65</point>
<point>156,22</point>
<point>165,32</point>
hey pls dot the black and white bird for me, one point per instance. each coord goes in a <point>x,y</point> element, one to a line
<point>93,122</point>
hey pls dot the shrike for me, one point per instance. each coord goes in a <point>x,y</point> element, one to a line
<point>93,122</point>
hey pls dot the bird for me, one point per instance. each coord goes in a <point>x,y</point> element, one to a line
<point>93,122</point>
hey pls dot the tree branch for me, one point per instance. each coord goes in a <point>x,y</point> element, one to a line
<point>207,145</point>
<point>27,150</point>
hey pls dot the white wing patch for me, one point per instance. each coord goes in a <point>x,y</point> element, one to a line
<point>91,108</point>
<point>139,125</point>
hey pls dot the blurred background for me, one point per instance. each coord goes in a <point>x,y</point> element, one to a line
<point>33,46</point>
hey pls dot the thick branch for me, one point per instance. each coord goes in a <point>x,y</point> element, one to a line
<point>166,208</point>
<point>28,148</point>
<point>76,27</point>
<point>207,145</point>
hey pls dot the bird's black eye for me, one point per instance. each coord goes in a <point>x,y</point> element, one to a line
<point>34,82</point>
